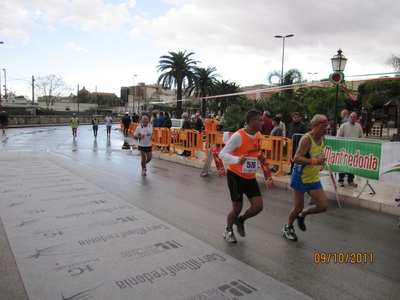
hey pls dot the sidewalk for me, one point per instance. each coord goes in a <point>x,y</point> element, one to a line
<point>382,200</point>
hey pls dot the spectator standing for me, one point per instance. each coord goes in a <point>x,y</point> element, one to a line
<point>74,125</point>
<point>215,123</point>
<point>95,126</point>
<point>366,121</point>
<point>144,133</point>
<point>160,120</point>
<point>242,152</point>
<point>167,124</point>
<point>3,120</point>
<point>198,123</point>
<point>283,125</point>
<point>186,125</point>
<point>153,120</point>
<point>353,130</point>
<point>208,123</point>
<point>192,121</point>
<point>267,123</point>
<point>308,159</point>
<point>108,120</point>
<point>276,131</point>
<point>126,121</point>
<point>135,118</point>
<point>167,121</point>
<point>345,116</point>
<point>296,127</point>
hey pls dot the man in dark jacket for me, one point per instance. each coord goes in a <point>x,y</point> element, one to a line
<point>295,127</point>
<point>3,120</point>
<point>167,121</point>
<point>135,118</point>
<point>126,120</point>
<point>198,123</point>
<point>160,120</point>
<point>186,125</point>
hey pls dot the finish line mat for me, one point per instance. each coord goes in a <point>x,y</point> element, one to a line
<point>74,240</point>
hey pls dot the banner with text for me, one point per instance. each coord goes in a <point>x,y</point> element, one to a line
<point>366,158</point>
<point>358,157</point>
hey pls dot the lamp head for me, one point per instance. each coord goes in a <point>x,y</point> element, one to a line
<point>338,61</point>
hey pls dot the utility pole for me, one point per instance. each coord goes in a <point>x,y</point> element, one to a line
<point>5,85</point>
<point>33,89</point>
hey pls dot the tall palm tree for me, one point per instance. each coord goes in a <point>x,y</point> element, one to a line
<point>177,71</point>
<point>203,85</point>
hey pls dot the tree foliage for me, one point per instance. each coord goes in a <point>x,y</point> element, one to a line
<point>219,105</point>
<point>178,71</point>
<point>50,87</point>
<point>203,85</point>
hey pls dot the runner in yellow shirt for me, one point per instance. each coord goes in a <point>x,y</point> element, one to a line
<point>74,125</point>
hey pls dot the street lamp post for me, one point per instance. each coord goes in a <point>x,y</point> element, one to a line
<point>283,50</point>
<point>312,76</point>
<point>338,65</point>
<point>5,84</point>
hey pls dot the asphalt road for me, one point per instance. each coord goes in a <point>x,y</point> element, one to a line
<point>363,246</point>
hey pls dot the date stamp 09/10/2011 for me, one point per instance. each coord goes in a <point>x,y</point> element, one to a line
<point>343,258</point>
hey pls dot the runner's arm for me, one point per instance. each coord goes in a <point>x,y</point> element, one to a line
<point>234,142</point>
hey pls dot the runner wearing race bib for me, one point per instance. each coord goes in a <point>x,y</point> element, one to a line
<point>242,152</point>
<point>144,133</point>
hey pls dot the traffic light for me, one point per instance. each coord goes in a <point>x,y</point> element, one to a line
<point>336,77</point>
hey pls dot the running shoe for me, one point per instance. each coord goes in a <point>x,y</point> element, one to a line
<point>229,236</point>
<point>341,183</point>
<point>353,184</point>
<point>240,228</point>
<point>300,222</point>
<point>289,233</point>
<point>143,173</point>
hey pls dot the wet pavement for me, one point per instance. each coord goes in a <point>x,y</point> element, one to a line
<point>83,223</point>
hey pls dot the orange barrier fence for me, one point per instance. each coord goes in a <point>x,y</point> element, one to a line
<point>132,127</point>
<point>185,140</point>
<point>278,150</point>
<point>212,139</point>
<point>162,139</point>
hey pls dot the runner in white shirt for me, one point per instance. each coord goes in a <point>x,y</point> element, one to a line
<point>144,133</point>
<point>108,121</point>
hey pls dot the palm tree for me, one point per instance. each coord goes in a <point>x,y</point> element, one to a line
<point>203,85</point>
<point>290,77</point>
<point>177,71</point>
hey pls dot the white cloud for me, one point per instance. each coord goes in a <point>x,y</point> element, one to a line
<point>235,36</point>
<point>77,48</point>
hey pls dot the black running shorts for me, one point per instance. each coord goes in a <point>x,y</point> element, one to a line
<point>239,186</point>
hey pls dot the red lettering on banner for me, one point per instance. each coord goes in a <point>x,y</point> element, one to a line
<point>342,158</point>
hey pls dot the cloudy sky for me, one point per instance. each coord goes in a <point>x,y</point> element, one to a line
<point>104,43</point>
